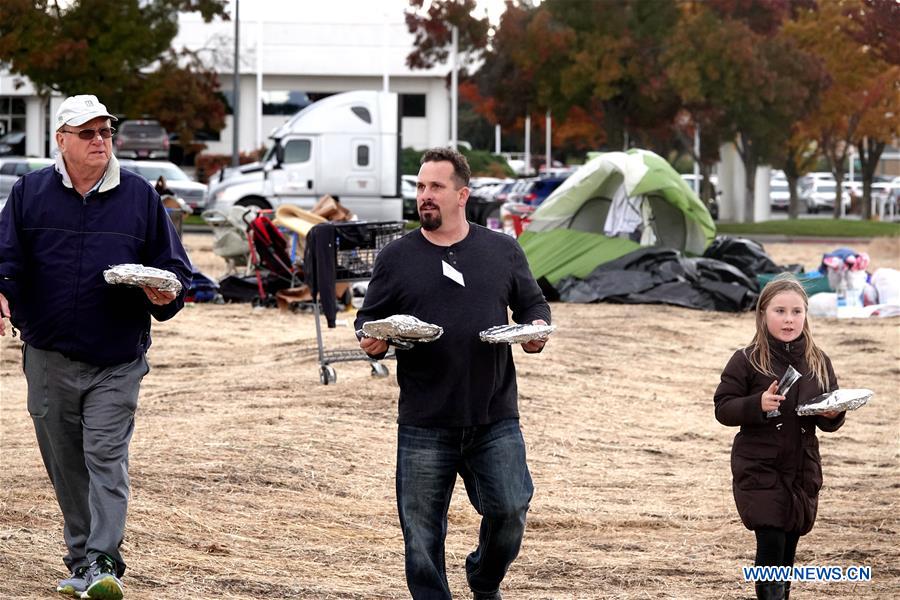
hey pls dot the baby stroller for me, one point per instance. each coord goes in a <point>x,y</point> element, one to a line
<point>270,257</point>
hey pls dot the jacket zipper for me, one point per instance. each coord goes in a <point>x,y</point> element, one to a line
<point>79,264</point>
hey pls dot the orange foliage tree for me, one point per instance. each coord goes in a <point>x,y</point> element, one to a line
<point>861,104</point>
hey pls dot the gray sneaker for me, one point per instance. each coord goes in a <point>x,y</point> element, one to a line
<point>102,583</point>
<point>74,585</point>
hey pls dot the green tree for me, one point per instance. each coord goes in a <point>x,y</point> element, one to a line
<point>112,48</point>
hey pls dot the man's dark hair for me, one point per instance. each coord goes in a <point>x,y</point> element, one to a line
<point>461,170</point>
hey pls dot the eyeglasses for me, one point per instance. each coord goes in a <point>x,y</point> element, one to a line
<point>90,134</point>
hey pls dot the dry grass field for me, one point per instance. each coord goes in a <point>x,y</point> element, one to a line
<point>252,480</point>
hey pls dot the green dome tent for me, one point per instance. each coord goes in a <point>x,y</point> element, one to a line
<point>614,204</point>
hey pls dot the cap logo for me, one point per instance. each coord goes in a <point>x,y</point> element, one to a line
<point>88,102</point>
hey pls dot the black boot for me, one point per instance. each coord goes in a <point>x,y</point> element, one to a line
<point>769,590</point>
<point>787,590</point>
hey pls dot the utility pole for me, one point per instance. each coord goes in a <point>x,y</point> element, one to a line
<point>527,170</point>
<point>697,159</point>
<point>454,92</point>
<point>548,159</point>
<point>236,102</point>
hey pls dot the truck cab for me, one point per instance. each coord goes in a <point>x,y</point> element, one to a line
<point>346,146</point>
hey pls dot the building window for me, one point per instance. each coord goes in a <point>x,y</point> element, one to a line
<point>288,102</point>
<point>12,114</point>
<point>412,105</point>
<point>283,102</point>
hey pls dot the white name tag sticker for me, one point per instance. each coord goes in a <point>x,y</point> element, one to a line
<point>453,273</point>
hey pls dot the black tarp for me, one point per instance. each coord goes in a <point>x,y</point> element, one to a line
<point>664,276</point>
<point>747,255</point>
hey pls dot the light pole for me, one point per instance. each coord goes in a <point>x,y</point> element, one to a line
<point>236,101</point>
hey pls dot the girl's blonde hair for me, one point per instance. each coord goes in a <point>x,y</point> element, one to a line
<point>760,353</point>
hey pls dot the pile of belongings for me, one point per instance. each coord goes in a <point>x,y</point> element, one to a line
<point>264,266</point>
<point>300,221</point>
<point>723,279</point>
<point>853,290</point>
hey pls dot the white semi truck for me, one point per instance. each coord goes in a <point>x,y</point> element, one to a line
<point>346,146</point>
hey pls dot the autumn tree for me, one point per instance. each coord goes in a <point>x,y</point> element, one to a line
<point>502,77</point>
<point>876,23</point>
<point>755,81</point>
<point>705,123</point>
<point>112,49</point>
<point>433,30</point>
<point>861,104</point>
<point>879,125</point>
<point>592,65</point>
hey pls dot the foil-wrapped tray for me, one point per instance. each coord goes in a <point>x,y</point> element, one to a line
<point>404,328</point>
<point>139,275</point>
<point>836,401</point>
<point>515,334</point>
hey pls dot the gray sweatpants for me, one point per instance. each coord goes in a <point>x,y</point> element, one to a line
<point>84,417</point>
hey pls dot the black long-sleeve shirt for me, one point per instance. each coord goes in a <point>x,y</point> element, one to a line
<point>458,380</point>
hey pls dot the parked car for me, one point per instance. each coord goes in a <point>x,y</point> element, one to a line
<point>408,192</point>
<point>194,193</point>
<point>13,168</point>
<point>518,190</point>
<point>13,144</point>
<point>485,201</point>
<point>823,189</point>
<point>780,192</point>
<point>142,138</point>
<point>538,190</point>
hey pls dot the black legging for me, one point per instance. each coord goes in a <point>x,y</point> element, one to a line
<point>775,547</point>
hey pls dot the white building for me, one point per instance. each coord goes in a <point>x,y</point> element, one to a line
<point>291,52</point>
<point>294,52</point>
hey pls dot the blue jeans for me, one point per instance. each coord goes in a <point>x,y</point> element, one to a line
<point>491,461</point>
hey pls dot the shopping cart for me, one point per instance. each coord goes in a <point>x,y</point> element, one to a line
<point>343,252</point>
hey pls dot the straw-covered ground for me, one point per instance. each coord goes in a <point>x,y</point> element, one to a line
<point>252,480</point>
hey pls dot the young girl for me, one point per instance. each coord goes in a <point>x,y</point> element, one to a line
<point>775,459</point>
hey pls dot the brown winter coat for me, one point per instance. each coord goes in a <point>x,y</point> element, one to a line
<point>775,462</point>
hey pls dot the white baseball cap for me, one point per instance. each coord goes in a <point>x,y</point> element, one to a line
<point>78,110</point>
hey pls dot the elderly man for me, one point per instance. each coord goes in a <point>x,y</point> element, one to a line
<point>458,399</point>
<point>84,341</point>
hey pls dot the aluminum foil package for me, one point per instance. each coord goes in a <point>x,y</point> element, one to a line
<point>405,328</point>
<point>790,377</point>
<point>139,275</point>
<point>515,334</point>
<point>837,401</point>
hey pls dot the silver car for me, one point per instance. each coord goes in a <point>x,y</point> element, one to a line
<point>192,192</point>
<point>14,167</point>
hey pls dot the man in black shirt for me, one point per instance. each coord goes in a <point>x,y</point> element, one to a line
<point>458,408</point>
